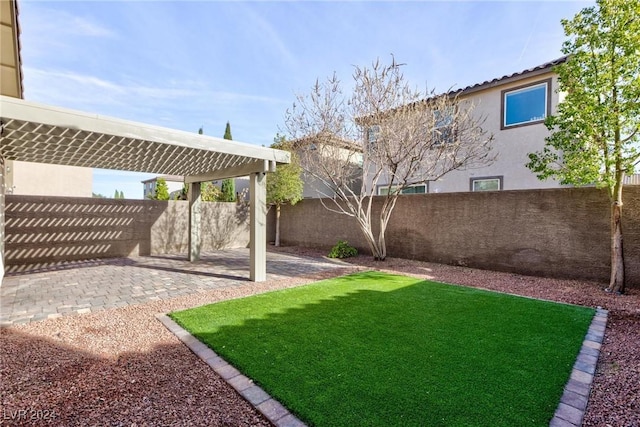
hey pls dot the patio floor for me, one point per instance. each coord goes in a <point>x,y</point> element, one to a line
<point>97,285</point>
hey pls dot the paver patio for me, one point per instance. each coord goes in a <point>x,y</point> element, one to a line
<point>96,285</point>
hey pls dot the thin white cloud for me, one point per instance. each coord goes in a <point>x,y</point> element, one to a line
<point>268,34</point>
<point>48,86</point>
<point>75,89</point>
<point>46,21</point>
<point>84,27</point>
<point>160,105</point>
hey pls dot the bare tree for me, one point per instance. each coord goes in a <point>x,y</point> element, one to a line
<point>384,133</point>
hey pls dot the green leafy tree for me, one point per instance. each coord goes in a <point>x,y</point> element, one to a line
<point>116,195</point>
<point>228,185</point>
<point>97,196</point>
<point>209,192</point>
<point>162,190</point>
<point>228,190</point>
<point>284,186</point>
<point>596,130</point>
<point>121,194</point>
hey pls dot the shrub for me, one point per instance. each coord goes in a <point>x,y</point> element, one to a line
<point>343,250</point>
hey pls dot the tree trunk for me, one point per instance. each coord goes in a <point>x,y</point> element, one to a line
<point>382,244</point>
<point>616,283</point>
<point>376,251</point>
<point>277,225</point>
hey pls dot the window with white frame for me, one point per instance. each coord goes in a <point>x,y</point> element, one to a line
<point>525,105</point>
<point>443,130</point>
<point>372,134</point>
<point>383,190</point>
<point>488,183</point>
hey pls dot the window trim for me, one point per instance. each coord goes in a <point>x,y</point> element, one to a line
<point>373,132</point>
<point>503,95</point>
<point>451,126</point>
<point>425,184</point>
<point>500,179</point>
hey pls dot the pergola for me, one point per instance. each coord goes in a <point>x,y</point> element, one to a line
<point>41,133</point>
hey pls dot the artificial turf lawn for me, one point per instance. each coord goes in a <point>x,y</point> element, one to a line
<point>379,349</point>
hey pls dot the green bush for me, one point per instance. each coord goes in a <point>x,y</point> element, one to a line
<point>343,250</point>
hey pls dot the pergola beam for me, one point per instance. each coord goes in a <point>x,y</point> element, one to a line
<point>234,172</point>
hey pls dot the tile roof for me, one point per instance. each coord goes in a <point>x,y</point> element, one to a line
<point>510,77</point>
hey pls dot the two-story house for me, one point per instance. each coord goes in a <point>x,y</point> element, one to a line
<point>321,153</point>
<point>513,109</point>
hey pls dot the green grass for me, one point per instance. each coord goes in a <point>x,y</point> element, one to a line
<point>378,349</point>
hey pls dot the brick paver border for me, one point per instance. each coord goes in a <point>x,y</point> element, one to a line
<point>273,410</point>
<point>573,403</point>
<point>570,411</point>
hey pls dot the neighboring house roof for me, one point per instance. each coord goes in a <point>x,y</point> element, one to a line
<point>498,81</point>
<point>172,178</point>
<point>328,139</point>
<point>10,63</point>
<point>529,72</point>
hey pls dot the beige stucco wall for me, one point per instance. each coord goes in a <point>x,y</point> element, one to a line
<point>315,188</point>
<point>512,145</point>
<point>39,179</point>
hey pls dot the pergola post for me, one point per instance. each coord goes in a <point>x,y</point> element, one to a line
<point>2,180</point>
<point>258,228</point>
<point>195,214</point>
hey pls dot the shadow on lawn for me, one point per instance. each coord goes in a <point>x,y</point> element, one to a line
<point>419,354</point>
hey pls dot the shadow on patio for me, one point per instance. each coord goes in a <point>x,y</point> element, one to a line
<point>84,287</point>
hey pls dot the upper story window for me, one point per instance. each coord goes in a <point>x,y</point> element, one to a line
<point>526,105</point>
<point>443,131</point>
<point>372,134</point>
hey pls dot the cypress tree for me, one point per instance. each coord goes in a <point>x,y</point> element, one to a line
<point>228,186</point>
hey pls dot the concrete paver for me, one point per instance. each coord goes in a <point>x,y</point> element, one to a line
<point>86,287</point>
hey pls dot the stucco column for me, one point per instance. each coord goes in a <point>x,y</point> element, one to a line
<point>258,218</point>
<point>2,164</point>
<point>195,216</point>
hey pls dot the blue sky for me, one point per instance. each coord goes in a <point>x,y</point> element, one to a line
<point>186,64</point>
